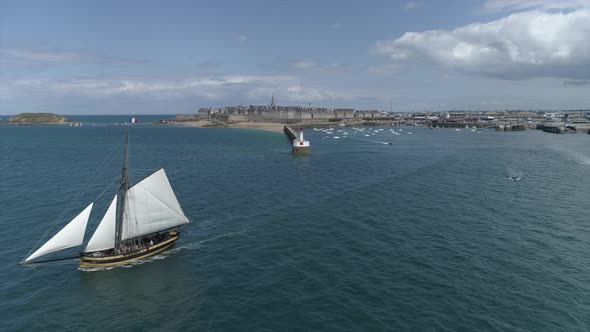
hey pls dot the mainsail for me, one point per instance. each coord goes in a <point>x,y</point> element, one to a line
<point>104,236</point>
<point>70,236</point>
<point>150,207</point>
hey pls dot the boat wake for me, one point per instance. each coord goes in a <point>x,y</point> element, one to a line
<point>514,175</point>
<point>371,141</point>
<point>580,158</point>
<point>197,244</point>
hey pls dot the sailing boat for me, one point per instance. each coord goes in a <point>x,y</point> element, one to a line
<point>140,222</point>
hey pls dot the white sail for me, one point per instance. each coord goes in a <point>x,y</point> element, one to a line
<point>104,236</point>
<point>70,236</point>
<point>150,207</point>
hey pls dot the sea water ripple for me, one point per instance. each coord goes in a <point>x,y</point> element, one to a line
<point>428,233</point>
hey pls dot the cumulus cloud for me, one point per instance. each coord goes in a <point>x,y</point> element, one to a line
<point>521,45</point>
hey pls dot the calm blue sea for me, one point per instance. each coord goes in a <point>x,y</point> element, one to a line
<point>428,233</point>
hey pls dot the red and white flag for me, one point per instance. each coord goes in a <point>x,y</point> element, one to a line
<point>133,120</point>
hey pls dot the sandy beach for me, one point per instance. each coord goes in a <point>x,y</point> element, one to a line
<point>191,123</point>
<point>276,127</point>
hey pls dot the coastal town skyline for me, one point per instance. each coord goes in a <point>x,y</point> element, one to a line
<point>407,56</point>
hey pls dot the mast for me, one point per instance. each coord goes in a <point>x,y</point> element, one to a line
<point>122,194</point>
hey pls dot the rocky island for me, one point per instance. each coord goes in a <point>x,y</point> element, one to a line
<point>39,119</point>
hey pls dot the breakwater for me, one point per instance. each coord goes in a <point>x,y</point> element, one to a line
<point>291,134</point>
<point>558,128</point>
<point>299,146</point>
<point>443,124</point>
<point>555,129</point>
<point>511,127</point>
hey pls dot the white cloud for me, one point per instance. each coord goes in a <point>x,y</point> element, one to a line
<point>576,83</point>
<point>308,65</point>
<point>526,44</point>
<point>302,64</point>
<point>246,88</point>
<point>518,5</point>
<point>412,5</point>
<point>335,26</point>
<point>292,94</point>
<point>38,94</point>
<point>306,94</point>
<point>242,39</point>
<point>21,56</point>
<point>207,87</point>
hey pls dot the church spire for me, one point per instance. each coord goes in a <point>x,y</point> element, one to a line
<point>272,102</point>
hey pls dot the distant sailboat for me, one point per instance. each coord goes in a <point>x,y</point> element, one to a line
<point>140,222</point>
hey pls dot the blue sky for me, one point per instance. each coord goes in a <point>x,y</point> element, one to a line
<point>121,57</point>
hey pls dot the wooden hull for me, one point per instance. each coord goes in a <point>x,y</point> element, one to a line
<point>114,260</point>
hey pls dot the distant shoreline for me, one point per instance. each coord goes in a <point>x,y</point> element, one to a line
<point>42,119</point>
<point>266,126</point>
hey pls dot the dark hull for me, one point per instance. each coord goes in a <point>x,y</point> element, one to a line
<point>87,261</point>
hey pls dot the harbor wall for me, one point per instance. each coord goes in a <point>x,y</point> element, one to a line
<point>511,127</point>
<point>187,117</point>
<point>291,134</point>
<point>560,128</point>
<point>297,116</point>
<point>453,124</point>
<point>555,129</point>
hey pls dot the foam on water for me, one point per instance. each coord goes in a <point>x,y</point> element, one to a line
<point>580,158</point>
